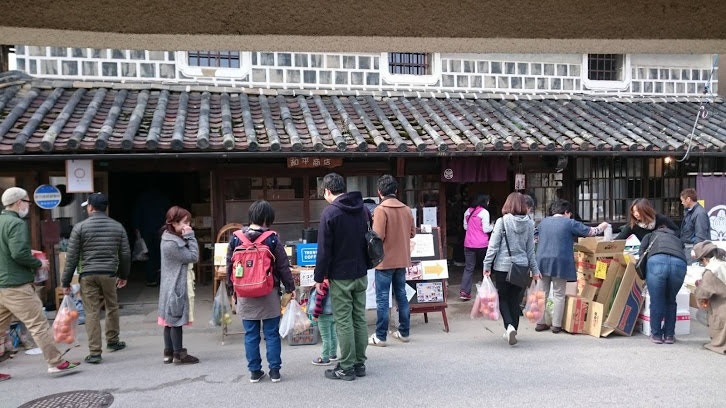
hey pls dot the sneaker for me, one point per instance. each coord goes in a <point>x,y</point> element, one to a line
<point>397,335</point>
<point>4,377</point>
<point>360,370</point>
<point>374,341</point>
<point>459,263</point>
<point>333,358</point>
<point>511,335</point>
<point>275,375</point>
<point>540,327</point>
<point>63,367</point>
<point>464,296</point>
<point>119,345</point>
<point>656,339</point>
<point>556,329</point>
<point>669,340</point>
<point>318,362</point>
<point>93,359</point>
<point>338,373</point>
<point>256,376</point>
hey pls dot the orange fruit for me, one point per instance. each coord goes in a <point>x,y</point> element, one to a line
<point>73,314</point>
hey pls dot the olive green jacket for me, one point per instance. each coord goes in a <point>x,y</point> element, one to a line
<point>17,263</point>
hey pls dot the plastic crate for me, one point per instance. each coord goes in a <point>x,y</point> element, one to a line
<point>307,337</point>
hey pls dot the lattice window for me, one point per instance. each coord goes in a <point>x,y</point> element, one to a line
<point>214,59</point>
<point>409,63</point>
<point>666,179</point>
<point>605,67</point>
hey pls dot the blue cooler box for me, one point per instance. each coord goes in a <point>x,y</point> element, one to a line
<point>306,254</point>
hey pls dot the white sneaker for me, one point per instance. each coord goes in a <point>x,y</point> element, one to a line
<point>511,335</point>
<point>374,341</point>
<point>397,335</point>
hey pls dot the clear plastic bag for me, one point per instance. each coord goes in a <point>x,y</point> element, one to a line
<point>64,326</point>
<point>488,300</point>
<point>220,308</point>
<point>294,320</point>
<point>535,306</point>
<point>141,251</point>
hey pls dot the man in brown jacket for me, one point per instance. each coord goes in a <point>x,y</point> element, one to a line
<point>393,222</point>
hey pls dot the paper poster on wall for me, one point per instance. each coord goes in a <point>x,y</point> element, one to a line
<point>371,291</point>
<point>429,216</point>
<point>422,246</point>
<point>415,271</point>
<point>220,253</point>
<point>79,176</point>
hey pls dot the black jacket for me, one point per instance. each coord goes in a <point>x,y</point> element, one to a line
<point>342,249</point>
<point>640,232</point>
<point>665,241</point>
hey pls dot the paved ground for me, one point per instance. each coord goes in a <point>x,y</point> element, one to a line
<point>469,366</point>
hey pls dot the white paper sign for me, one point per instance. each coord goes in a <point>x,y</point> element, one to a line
<point>429,216</point>
<point>79,176</point>
<point>371,291</point>
<point>422,246</point>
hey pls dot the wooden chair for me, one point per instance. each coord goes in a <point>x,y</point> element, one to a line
<point>220,272</point>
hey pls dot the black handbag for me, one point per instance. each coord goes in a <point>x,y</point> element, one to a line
<point>518,275</point>
<point>643,260</point>
<point>374,247</point>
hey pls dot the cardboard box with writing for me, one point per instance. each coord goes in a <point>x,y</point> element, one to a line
<point>582,316</point>
<point>593,256</point>
<point>626,303</point>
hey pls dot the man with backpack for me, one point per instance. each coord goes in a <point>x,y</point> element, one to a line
<point>342,258</point>
<point>256,265</point>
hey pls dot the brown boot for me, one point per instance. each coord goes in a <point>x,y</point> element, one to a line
<point>182,357</point>
<point>168,356</point>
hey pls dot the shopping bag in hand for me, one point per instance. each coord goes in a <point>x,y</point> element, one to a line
<point>220,308</point>
<point>287,323</point>
<point>488,299</point>
<point>535,303</point>
<point>141,251</point>
<point>64,326</point>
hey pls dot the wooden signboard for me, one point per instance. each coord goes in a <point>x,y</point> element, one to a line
<point>428,275</point>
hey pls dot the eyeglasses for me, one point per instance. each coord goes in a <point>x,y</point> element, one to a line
<point>25,201</point>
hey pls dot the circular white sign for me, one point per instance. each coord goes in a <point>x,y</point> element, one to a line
<point>47,196</point>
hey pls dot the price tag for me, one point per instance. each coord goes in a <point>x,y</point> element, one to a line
<point>601,269</point>
<point>626,258</point>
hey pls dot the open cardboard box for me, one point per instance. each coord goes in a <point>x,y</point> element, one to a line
<point>593,259</point>
<point>623,302</point>
<point>582,316</point>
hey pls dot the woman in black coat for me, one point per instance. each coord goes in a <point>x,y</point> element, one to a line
<point>644,220</point>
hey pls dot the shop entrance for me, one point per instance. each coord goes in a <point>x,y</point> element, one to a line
<point>139,201</point>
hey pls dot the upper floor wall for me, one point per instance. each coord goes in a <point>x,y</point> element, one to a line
<point>626,74</point>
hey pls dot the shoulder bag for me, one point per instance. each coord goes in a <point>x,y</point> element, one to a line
<point>643,260</point>
<point>518,275</point>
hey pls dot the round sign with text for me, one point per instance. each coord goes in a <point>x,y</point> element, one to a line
<point>47,196</point>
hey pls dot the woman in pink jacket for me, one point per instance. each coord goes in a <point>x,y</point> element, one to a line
<point>477,225</point>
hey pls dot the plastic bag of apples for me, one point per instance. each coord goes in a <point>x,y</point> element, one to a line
<point>486,304</point>
<point>535,306</point>
<point>64,326</point>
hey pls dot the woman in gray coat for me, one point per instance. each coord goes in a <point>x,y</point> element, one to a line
<point>178,249</point>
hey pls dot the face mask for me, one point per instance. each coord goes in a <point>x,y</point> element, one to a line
<point>24,212</point>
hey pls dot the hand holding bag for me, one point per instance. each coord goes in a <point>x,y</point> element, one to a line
<point>518,275</point>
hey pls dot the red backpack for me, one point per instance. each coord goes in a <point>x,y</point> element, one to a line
<point>252,264</point>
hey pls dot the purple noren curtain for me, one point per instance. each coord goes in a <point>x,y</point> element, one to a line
<point>473,169</point>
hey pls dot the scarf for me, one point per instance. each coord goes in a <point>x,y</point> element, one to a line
<point>650,226</point>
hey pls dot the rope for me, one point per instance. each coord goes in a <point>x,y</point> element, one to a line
<point>702,111</point>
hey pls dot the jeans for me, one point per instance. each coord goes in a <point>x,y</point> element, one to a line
<point>664,277</point>
<point>270,328</point>
<point>385,278</point>
<point>326,325</point>
<point>349,311</point>
<point>510,298</point>
<point>474,258</point>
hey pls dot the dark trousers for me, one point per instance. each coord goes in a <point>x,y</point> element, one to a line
<point>474,258</point>
<point>510,297</point>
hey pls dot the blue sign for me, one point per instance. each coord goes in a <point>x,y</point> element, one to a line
<point>47,196</point>
<point>306,254</point>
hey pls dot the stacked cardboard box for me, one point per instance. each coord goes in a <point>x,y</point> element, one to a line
<point>683,314</point>
<point>608,287</point>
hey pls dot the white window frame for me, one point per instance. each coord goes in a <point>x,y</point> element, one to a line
<point>407,79</point>
<point>245,67</point>
<point>620,85</point>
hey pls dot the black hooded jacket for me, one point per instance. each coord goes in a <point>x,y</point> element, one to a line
<point>665,241</point>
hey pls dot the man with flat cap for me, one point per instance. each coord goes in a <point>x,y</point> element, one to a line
<point>99,249</point>
<point>17,274</point>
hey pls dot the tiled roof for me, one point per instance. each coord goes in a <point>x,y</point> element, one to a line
<point>43,117</point>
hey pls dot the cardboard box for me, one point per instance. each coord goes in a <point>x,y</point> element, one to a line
<point>683,324</point>
<point>582,316</point>
<point>306,254</point>
<point>682,301</point>
<point>627,302</point>
<point>610,285</point>
<point>593,257</point>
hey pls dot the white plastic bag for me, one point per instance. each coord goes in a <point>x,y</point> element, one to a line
<point>489,300</point>
<point>288,322</point>
<point>64,326</point>
<point>141,251</point>
<point>220,308</point>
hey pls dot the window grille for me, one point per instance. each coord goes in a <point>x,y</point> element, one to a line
<point>214,59</point>
<point>409,63</point>
<point>605,67</point>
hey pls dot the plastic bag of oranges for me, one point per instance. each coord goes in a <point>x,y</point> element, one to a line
<point>535,306</point>
<point>64,326</point>
<point>486,304</point>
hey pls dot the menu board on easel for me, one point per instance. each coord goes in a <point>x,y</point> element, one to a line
<point>427,276</point>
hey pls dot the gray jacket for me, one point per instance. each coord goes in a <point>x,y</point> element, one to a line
<point>176,255</point>
<point>98,245</point>
<point>520,234</point>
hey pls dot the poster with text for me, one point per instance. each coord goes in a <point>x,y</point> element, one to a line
<point>422,246</point>
<point>79,176</point>
<point>430,292</point>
